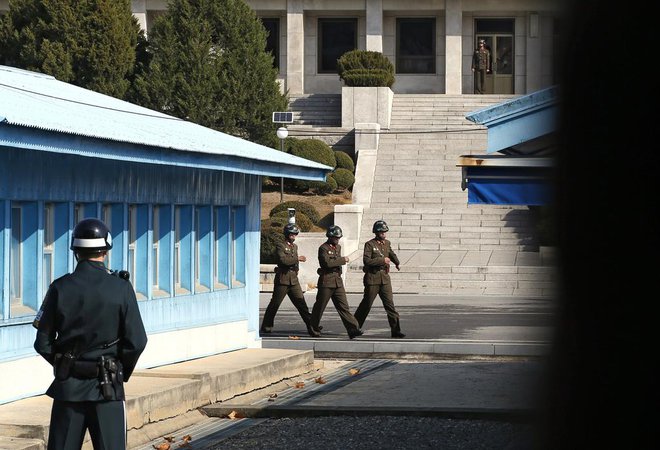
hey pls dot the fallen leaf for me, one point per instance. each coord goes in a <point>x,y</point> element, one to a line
<point>299,385</point>
<point>235,415</point>
<point>353,371</point>
<point>184,444</point>
<point>274,395</point>
<point>169,438</point>
<point>163,446</point>
<point>294,337</point>
<point>187,438</point>
<point>319,380</point>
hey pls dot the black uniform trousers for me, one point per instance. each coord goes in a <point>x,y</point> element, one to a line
<point>297,297</point>
<point>383,290</point>
<point>106,421</point>
<point>338,296</point>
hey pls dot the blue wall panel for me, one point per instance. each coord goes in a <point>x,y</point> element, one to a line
<point>42,176</point>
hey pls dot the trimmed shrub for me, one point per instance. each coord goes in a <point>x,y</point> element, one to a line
<point>344,161</point>
<point>314,150</point>
<point>324,187</point>
<point>344,178</point>
<point>365,68</point>
<point>270,237</point>
<point>277,221</point>
<point>300,207</point>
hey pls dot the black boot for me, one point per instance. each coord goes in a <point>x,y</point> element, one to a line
<point>398,335</point>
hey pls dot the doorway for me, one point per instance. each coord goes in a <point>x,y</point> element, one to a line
<point>498,34</point>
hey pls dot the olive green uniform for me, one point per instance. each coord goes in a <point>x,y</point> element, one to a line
<point>481,65</point>
<point>286,283</point>
<point>377,282</point>
<point>331,286</point>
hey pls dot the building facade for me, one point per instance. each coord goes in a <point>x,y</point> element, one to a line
<point>430,42</point>
<point>183,204</point>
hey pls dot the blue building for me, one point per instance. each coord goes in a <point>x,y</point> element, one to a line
<point>182,202</point>
<point>519,165</point>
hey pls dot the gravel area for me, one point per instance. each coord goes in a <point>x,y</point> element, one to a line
<point>381,432</point>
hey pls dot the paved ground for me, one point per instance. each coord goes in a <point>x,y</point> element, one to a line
<point>434,325</point>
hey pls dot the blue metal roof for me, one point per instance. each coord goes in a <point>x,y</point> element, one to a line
<point>519,120</point>
<point>40,105</point>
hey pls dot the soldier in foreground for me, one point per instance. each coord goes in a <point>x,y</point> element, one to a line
<point>330,284</point>
<point>377,256</point>
<point>90,330</point>
<point>286,282</point>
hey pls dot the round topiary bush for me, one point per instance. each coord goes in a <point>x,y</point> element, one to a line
<point>344,161</point>
<point>301,207</point>
<point>344,178</point>
<point>279,220</point>
<point>270,237</point>
<point>314,150</point>
<point>324,187</point>
<point>365,68</point>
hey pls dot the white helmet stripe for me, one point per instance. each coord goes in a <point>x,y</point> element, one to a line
<point>89,243</point>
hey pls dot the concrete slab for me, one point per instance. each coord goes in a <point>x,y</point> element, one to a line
<point>168,394</point>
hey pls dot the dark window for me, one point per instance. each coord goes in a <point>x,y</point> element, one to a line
<point>272,27</point>
<point>336,37</point>
<point>494,26</point>
<point>415,46</point>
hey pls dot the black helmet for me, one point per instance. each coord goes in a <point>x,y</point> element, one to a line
<point>291,228</point>
<point>334,231</point>
<point>91,235</point>
<point>380,226</point>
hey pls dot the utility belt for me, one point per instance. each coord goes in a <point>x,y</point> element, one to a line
<point>375,269</point>
<point>106,369</point>
<point>286,269</point>
<point>321,271</point>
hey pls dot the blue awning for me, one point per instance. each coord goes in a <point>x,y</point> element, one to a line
<point>507,180</point>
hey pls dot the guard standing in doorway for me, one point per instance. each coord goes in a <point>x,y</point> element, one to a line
<point>480,66</point>
<point>330,284</point>
<point>286,282</point>
<point>90,330</point>
<point>376,258</point>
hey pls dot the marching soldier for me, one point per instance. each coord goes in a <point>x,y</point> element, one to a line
<point>286,282</point>
<point>376,257</point>
<point>90,330</point>
<point>330,284</point>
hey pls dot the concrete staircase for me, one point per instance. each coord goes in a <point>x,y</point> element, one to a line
<point>445,245</point>
<point>318,110</point>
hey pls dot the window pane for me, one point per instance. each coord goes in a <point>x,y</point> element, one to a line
<point>48,247</point>
<point>222,248</point>
<point>415,46</point>
<point>336,37</point>
<point>238,246</point>
<point>23,259</point>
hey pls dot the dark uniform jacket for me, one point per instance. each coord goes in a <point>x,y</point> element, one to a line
<point>330,262</point>
<point>82,312</point>
<point>287,264</point>
<point>481,59</point>
<point>373,258</point>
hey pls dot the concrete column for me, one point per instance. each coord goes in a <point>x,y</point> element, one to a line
<point>349,219</point>
<point>139,8</point>
<point>295,47</point>
<point>534,61</point>
<point>453,47</point>
<point>375,25</point>
<point>366,149</point>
